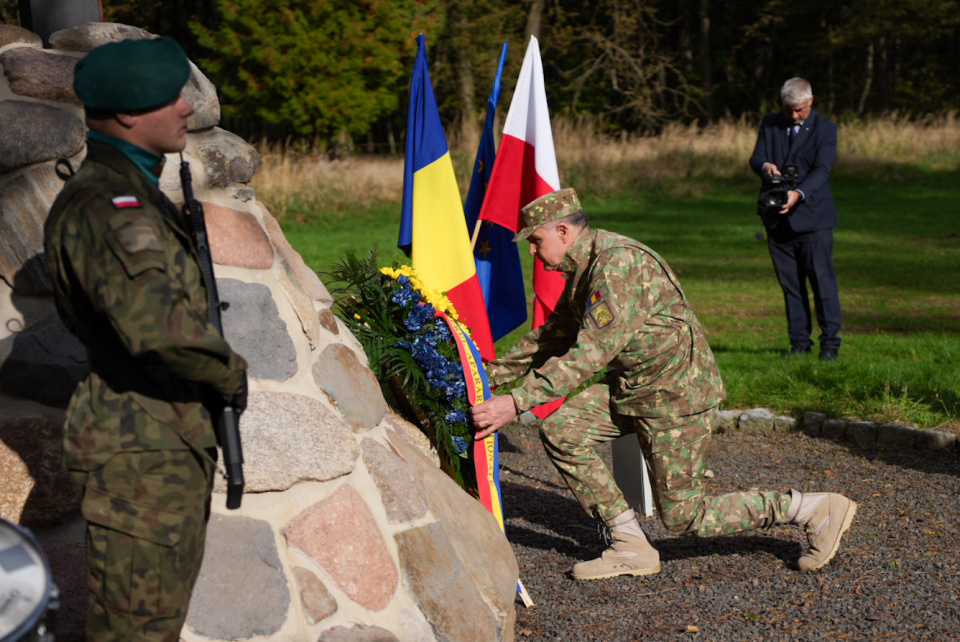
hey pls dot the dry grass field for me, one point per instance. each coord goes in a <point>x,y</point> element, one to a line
<point>300,186</point>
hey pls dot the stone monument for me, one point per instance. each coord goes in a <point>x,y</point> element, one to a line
<point>348,530</point>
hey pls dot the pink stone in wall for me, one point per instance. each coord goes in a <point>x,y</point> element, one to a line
<point>236,238</point>
<point>341,535</point>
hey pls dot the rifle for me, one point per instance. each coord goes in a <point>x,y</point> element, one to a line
<point>228,427</point>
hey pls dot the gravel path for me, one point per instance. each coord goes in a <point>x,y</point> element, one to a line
<point>895,577</point>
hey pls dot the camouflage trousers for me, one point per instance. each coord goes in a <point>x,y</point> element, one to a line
<point>675,449</point>
<point>147,517</point>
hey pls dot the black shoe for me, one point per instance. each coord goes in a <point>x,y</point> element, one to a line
<point>798,350</point>
<point>827,354</point>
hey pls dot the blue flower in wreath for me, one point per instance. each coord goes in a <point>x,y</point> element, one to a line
<point>443,333</point>
<point>403,296</point>
<point>418,317</point>
<point>456,416</point>
<point>460,444</point>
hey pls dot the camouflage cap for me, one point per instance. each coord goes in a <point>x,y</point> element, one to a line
<point>548,207</point>
<point>131,75</point>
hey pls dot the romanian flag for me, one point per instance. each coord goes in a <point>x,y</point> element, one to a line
<point>433,231</point>
<point>496,256</point>
<point>525,169</point>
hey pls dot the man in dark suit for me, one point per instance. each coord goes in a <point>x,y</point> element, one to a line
<point>800,232</point>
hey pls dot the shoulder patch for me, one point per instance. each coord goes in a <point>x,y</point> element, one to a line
<point>138,238</point>
<point>599,311</point>
<point>121,202</point>
<point>601,315</point>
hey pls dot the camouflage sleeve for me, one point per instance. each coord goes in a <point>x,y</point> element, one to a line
<point>533,349</point>
<point>619,297</point>
<point>139,277</point>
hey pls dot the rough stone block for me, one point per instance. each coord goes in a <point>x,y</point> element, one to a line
<point>351,385</point>
<point>301,303</point>
<point>441,585</point>
<point>813,423</point>
<point>37,73</point>
<point>25,200</point>
<point>784,423</point>
<point>236,238</point>
<point>357,633</point>
<point>862,433</point>
<point>11,34</point>
<point>202,96</point>
<point>479,543</point>
<point>34,132</point>
<point>727,420</point>
<point>896,436</point>
<point>403,497</point>
<point>757,420</point>
<point>241,591</point>
<point>227,158</point>
<point>93,34</point>
<point>834,429</point>
<point>289,438</point>
<point>935,440</point>
<point>317,602</point>
<point>253,326</point>
<point>341,535</point>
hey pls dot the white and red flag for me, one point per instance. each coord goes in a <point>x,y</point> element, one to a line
<point>525,169</point>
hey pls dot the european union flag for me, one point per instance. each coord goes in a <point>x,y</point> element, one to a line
<point>496,255</point>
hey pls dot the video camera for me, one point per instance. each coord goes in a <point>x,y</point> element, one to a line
<point>773,192</point>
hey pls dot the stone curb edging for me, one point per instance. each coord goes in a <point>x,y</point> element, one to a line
<point>865,434</point>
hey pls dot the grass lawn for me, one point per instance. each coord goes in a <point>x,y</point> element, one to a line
<point>897,256</point>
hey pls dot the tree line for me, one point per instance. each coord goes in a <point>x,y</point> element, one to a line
<point>337,71</point>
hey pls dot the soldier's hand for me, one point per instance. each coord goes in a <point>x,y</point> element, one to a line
<point>239,398</point>
<point>492,414</point>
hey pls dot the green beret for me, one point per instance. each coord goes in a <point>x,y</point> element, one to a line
<point>131,75</point>
<point>548,207</point>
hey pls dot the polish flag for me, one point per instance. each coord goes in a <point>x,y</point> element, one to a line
<point>525,169</point>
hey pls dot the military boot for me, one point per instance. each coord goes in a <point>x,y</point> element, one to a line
<point>629,553</point>
<point>825,517</point>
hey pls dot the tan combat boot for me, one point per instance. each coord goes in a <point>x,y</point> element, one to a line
<point>825,517</point>
<point>629,553</point>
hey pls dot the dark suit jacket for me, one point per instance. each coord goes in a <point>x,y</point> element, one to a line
<point>813,153</point>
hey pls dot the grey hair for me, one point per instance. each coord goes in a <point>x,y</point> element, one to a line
<point>795,91</point>
<point>577,219</point>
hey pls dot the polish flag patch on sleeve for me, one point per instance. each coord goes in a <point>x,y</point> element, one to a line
<point>121,202</point>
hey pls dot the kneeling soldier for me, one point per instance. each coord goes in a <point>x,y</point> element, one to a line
<point>623,312</point>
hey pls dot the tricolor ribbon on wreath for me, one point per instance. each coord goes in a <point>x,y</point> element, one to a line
<point>485,454</point>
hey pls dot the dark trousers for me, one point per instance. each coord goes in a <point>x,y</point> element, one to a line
<point>798,258</point>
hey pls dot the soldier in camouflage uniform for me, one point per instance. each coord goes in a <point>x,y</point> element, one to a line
<point>139,435</point>
<point>623,313</point>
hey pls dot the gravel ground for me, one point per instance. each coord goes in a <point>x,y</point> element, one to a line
<point>895,577</point>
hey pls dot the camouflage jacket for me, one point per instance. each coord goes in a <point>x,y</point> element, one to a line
<point>127,283</point>
<point>622,311</point>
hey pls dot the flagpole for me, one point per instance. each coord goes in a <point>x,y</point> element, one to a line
<point>476,233</point>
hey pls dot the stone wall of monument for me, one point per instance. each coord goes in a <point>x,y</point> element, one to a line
<point>348,530</point>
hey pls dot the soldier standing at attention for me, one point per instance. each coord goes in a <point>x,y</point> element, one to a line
<point>139,436</point>
<point>623,312</point>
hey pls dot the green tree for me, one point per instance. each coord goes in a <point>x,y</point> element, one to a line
<point>319,68</point>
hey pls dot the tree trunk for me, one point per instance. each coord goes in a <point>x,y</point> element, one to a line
<point>706,60</point>
<point>533,18</point>
<point>868,76</point>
